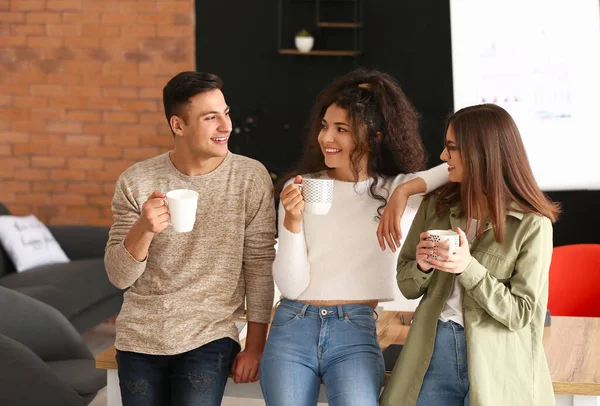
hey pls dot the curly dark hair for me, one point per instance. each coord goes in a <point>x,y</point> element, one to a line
<point>385,126</point>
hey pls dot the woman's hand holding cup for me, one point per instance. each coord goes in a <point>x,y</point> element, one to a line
<point>445,250</point>
<point>424,249</point>
<point>452,257</point>
<point>293,203</point>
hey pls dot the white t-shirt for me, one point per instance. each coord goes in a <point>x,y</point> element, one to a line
<point>337,256</point>
<point>453,307</point>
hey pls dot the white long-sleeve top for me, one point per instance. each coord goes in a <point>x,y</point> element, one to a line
<point>337,256</point>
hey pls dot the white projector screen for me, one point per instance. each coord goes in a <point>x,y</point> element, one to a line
<point>540,60</point>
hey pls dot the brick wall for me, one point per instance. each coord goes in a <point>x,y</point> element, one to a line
<point>80,98</point>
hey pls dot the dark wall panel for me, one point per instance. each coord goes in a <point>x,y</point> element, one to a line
<point>271,94</point>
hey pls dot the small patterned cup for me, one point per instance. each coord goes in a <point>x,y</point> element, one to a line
<point>318,195</point>
<point>451,237</point>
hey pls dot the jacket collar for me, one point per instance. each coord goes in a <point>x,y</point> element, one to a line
<point>513,211</point>
<point>455,221</point>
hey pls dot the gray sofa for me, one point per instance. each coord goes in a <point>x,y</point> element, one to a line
<point>44,359</point>
<point>80,289</point>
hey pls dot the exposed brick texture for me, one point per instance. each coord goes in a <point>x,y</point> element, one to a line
<point>80,98</point>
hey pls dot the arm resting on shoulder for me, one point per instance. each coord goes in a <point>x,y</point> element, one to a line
<point>424,181</point>
<point>434,177</point>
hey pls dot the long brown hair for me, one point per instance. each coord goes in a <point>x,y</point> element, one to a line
<point>496,171</point>
<point>385,126</point>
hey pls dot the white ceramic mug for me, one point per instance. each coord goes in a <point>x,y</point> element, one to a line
<point>317,195</point>
<point>451,237</point>
<point>182,208</point>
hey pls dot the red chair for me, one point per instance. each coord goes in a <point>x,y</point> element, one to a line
<point>575,281</point>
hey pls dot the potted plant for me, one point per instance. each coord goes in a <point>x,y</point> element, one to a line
<point>304,41</point>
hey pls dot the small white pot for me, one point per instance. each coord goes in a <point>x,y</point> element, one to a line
<point>304,44</point>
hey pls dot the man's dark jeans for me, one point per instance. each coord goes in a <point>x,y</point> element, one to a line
<point>196,377</point>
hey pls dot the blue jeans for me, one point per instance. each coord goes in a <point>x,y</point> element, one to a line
<point>196,377</point>
<point>447,381</point>
<point>337,344</point>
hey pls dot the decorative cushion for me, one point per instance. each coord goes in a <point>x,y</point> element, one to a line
<point>29,243</point>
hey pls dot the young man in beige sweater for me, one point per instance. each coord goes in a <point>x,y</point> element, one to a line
<point>177,342</point>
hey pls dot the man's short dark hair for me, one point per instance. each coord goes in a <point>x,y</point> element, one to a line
<point>182,87</point>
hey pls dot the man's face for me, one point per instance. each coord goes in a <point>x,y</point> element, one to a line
<point>207,125</point>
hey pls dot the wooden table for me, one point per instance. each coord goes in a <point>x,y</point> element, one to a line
<point>572,346</point>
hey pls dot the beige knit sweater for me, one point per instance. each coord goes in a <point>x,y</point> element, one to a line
<point>191,287</point>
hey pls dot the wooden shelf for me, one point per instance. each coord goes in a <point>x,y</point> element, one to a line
<point>324,24</point>
<point>348,13</point>
<point>322,52</point>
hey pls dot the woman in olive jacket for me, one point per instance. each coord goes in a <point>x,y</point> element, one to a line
<point>476,338</point>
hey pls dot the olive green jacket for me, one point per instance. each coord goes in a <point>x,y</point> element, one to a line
<point>504,307</point>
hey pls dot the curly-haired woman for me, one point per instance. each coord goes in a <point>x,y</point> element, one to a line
<point>330,269</point>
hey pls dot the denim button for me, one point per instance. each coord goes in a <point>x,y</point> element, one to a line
<point>323,312</point>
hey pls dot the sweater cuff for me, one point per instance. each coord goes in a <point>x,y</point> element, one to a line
<point>472,275</point>
<point>124,256</point>
<point>287,235</point>
<point>259,297</point>
<point>259,316</point>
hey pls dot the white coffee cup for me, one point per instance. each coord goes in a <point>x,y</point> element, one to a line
<point>182,208</point>
<point>451,237</point>
<point>317,195</point>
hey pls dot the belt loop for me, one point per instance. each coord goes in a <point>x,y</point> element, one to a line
<point>340,312</point>
<point>303,311</point>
